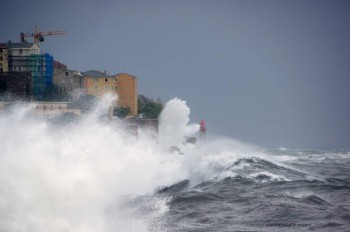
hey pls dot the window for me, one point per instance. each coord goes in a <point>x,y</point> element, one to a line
<point>96,87</point>
<point>66,73</point>
<point>0,57</point>
<point>20,51</point>
<point>106,79</point>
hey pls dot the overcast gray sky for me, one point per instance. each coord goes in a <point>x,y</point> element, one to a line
<point>267,72</point>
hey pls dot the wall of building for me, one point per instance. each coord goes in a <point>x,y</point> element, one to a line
<point>53,109</point>
<point>31,49</point>
<point>41,68</point>
<point>98,86</point>
<point>69,80</point>
<point>19,56</point>
<point>58,67</point>
<point>127,91</point>
<point>17,84</point>
<point>3,59</point>
<point>26,57</point>
<point>48,109</point>
<point>12,56</point>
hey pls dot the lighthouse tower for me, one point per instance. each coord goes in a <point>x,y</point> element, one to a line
<point>202,130</point>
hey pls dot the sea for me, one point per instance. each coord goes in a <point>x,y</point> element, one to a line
<point>90,175</point>
<point>306,190</point>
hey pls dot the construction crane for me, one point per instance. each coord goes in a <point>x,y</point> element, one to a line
<point>39,35</point>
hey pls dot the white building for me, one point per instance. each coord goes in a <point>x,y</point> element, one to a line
<point>23,49</point>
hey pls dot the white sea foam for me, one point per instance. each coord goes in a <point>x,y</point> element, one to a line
<point>271,176</point>
<point>174,123</point>
<point>327,156</point>
<point>63,179</point>
<point>79,177</point>
<point>299,194</point>
<point>285,158</point>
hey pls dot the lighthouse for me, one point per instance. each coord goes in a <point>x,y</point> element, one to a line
<point>202,130</point>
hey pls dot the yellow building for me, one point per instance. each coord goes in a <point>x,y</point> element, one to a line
<point>127,91</point>
<point>97,83</point>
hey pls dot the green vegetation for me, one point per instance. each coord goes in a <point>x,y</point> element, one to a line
<point>149,108</point>
<point>121,112</point>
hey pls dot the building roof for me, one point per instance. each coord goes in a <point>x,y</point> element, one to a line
<point>74,72</point>
<point>18,45</point>
<point>59,65</point>
<point>119,74</point>
<point>95,73</point>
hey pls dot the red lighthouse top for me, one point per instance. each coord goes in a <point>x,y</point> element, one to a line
<point>202,126</point>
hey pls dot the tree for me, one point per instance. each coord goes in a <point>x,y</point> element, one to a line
<point>149,108</point>
<point>121,112</point>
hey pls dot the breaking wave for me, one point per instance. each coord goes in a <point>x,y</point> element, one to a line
<point>90,175</point>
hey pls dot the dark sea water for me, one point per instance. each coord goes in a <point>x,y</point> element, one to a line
<point>307,190</point>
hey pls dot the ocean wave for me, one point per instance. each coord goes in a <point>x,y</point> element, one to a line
<point>195,197</point>
<point>266,176</point>
<point>257,168</point>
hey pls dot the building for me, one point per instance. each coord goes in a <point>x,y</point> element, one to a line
<point>98,83</point>
<point>127,91</point>
<point>3,58</point>
<point>58,67</point>
<point>18,84</point>
<point>22,49</point>
<point>54,109</point>
<point>48,109</point>
<point>26,57</point>
<point>69,80</point>
<point>17,54</point>
<point>41,68</point>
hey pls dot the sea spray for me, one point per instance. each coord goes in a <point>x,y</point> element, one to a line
<point>64,178</point>
<point>86,175</point>
<point>174,123</point>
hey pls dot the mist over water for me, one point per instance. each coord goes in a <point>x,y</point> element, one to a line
<point>91,175</point>
<point>64,177</point>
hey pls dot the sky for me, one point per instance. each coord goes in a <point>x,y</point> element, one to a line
<point>273,73</point>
